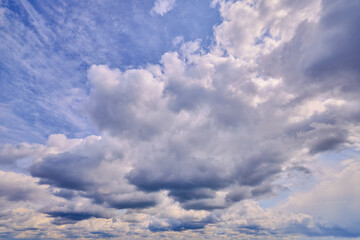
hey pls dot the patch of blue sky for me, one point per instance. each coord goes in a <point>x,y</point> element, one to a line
<point>120,33</point>
<point>331,159</point>
<point>47,46</point>
<point>275,200</point>
<point>261,39</point>
<point>335,157</point>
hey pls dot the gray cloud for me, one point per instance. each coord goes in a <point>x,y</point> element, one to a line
<point>178,225</point>
<point>64,171</point>
<point>331,141</point>
<point>324,55</point>
<point>198,175</point>
<point>183,195</point>
<point>132,203</point>
<point>16,187</point>
<point>204,204</point>
<point>61,217</point>
<point>259,168</point>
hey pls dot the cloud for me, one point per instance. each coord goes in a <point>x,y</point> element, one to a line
<point>129,103</point>
<point>10,154</point>
<point>132,203</point>
<point>61,172</point>
<point>219,135</point>
<point>16,187</point>
<point>161,7</point>
<point>333,198</point>
<point>270,25</point>
<point>176,225</point>
<point>61,218</point>
<point>192,143</point>
<point>320,61</point>
<point>39,45</point>
<point>183,195</point>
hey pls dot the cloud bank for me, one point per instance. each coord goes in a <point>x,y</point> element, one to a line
<point>194,145</point>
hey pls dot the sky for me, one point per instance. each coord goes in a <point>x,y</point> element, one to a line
<point>180,119</point>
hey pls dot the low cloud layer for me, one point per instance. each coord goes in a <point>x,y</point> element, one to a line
<point>198,144</point>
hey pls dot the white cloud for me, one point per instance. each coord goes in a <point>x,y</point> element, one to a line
<point>161,7</point>
<point>263,25</point>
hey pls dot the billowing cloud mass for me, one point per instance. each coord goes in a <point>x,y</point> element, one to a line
<point>253,135</point>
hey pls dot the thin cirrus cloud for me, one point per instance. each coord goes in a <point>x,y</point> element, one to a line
<point>194,143</point>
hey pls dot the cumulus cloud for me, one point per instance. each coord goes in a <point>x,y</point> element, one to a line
<point>193,142</point>
<point>130,103</point>
<point>218,132</point>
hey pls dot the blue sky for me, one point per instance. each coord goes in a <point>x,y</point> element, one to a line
<point>167,119</point>
<point>47,48</point>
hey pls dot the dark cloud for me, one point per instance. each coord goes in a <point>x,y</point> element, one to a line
<point>182,195</point>
<point>71,217</point>
<point>194,174</point>
<point>126,200</point>
<point>327,144</point>
<point>203,204</point>
<point>322,56</point>
<point>27,229</point>
<point>261,191</point>
<point>65,193</point>
<point>259,168</point>
<point>342,39</point>
<point>64,170</point>
<point>180,225</point>
<point>132,203</point>
<point>326,138</point>
<point>237,194</point>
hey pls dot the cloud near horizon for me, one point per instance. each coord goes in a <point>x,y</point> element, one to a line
<point>197,144</point>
